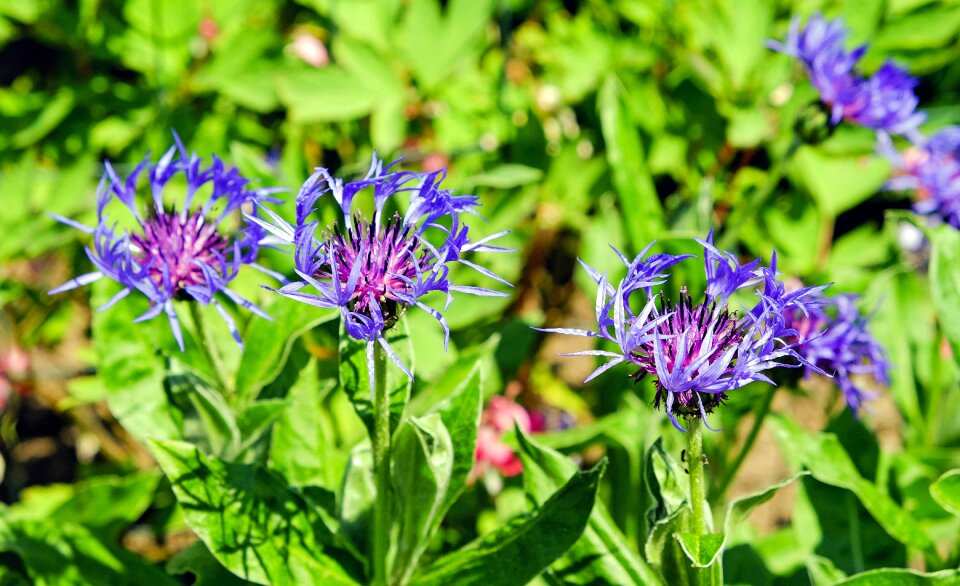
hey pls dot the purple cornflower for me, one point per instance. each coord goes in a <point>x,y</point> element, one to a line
<point>885,101</point>
<point>697,351</point>
<point>841,345</point>
<point>173,255</point>
<point>931,168</point>
<point>372,270</point>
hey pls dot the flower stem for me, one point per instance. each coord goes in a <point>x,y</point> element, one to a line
<point>207,348</point>
<point>711,575</point>
<point>730,471</point>
<point>381,466</point>
<point>695,465</point>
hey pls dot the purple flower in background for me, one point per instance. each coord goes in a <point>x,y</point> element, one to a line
<point>931,168</point>
<point>174,255</point>
<point>884,102</point>
<point>372,270</point>
<point>697,351</point>
<point>841,345</point>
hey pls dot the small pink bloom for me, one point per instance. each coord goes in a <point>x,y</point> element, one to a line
<point>209,29</point>
<point>500,416</point>
<point>310,49</point>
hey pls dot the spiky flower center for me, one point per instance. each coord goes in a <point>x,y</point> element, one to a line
<point>173,246</point>
<point>388,257</point>
<point>701,334</point>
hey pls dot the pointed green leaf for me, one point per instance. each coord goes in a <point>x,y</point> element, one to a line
<point>356,497</point>
<point>268,343</point>
<point>207,420</point>
<point>519,551</point>
<point>826,459</point>
<point>303,448</point>
<point>55,553</point>
<point>207,571</point>
<point>946,491</point>
<point>251,522</point>
<point>461,416</point>
<point>256,421</point>
<point>704,550</point>
<point>422,463</point>
<point>902,577</point>
<point>643,213</point>
<point>602,554</point>
<point>432,458</point>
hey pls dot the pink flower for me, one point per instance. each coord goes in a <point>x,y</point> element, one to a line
<point>310,49</point>
<point>13,361</point>
<point>499,417</point>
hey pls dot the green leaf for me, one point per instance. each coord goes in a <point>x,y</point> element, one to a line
<point>422,464</point>
<point>480,356</point>
<point>208,420</point>
<point>251,522</point>
<point>519,551</point>
<point>837,182</point>
<point>505,177</point>
<point>946,491</point>
<point>741,507</point>
<point>665,482</point>
<point>432,458</point>
<point>55,553</point>
<point>923,29</point>
<point>131,369</point>
<point>602,554</point>
<point>460,414</point>
<point>355,377</point>
<point>207,571</point>
<point>435,44</point>
<point>356,497</point>
<point>303,447</point>
<point>902,577</point>
<point>703,551</point>
<point>104,504</point>
<point>826,459</point>
<point>324,95</point>
<point>257,420</point>
<point>639,203</point>
<point>665,552</point>
<point>945,283</point>
<point>55,111</point>
<point>268,343</point>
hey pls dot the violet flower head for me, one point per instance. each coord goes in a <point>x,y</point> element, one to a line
<point>373,270</point>
<point>175,255</point>
<point>843,346</point>
<point>931,169</point>
<point>884,101</point>
<point>698,351</point>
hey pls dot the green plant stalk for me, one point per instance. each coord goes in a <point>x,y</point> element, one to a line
<point>695,466</point>
<point>712,575</point>
<point>381,466</point>
<point>207,347</point>
<point>730,471</point>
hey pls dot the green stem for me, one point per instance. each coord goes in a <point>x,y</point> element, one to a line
<point>730,471</point>
<point>695,465</point>
<point>747,211</point>
<point>381,466</point>
<point>207,347</point>
<point>713,574</point>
